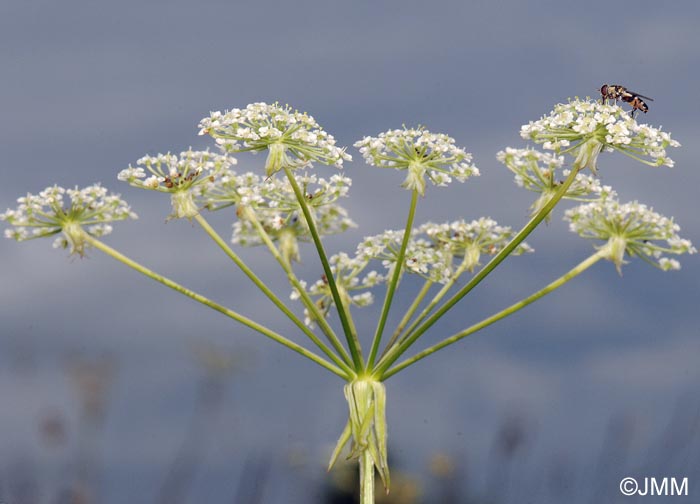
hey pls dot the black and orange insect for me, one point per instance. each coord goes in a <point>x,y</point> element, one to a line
<point>616,92</point>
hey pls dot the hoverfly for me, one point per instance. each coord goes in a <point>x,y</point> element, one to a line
<point>616,92</point>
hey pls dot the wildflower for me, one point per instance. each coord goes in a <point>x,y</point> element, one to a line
<point>421,153</point>
<point>249,189</point>
<point>469,240</point>
<point>289,228</point>
<point>352,282</point>
<point>273,203</point>
<point>632,229</point>
<point>229,189</point>
<point>421,257</point>
<point>537,171</point>
<point>293,139</point>
<point>177,175</point>
<point>585,128</point>
<point>84,211</point>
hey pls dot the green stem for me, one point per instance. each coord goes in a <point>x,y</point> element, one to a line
<point>343,311</point>
<point>407,316</point>
<point>398,269</point>
<point>315,313</point>
<point>398,350</point>
<point>580,268</point>
<point>271,295</point>
<point>366,478</point>
<point>438,297</point>
<point>215,306</point>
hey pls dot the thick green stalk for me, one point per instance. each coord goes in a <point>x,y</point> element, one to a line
<point>343,310</point>
<point>215,306</point>
<point>398,269</point>
<point>580,268</point>
<point>316,314</point>
<point>366,478</point>
<point>398,350</point>
<point>266,290</point>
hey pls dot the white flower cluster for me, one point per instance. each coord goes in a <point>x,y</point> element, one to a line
<point>421,256</point>
<point>280,225</point>
<point>630,228</point>
<point>537,171</point>
<point>440,252</point>
<point>89,210</point>
<point>420,152</point>
<point>274,204</point>
<point>468,240</point>
<point>534,170</point>
<point>572,125</point>
<point>249,189</point>
<point>261,126</point>
<point>177,175</point>
<point>351,280</point>
<point>171,173</point>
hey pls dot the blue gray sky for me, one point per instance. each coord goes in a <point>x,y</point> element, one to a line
<point>89,87</point>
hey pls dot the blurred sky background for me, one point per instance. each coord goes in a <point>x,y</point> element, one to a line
<point>89,87</point>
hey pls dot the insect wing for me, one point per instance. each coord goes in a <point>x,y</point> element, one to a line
<point>640,95</point>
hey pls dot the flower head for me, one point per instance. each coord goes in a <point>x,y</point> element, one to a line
<point>421,257</point>
<point>468,240</point>
<point>421,153</point>
<point>440,252</point>
<point>84,211</point>
<point>632,229</point>
<point>177,175</point>
<point>294,139</point>
<point>584,128</point>
<point>541,172</point>
<point>273,204</point>
<point>249,189</point>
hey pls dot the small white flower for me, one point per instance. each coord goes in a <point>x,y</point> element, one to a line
<point>88,210</point>
<point>177,175</point>
<point>294,139</point>
<point>630,229</point>
<point>274,204</point>
<point>590,127</point>
<point>171,173</point>
<point>541,172</point>
<point>351,281</point>
<point>421,153</point>
<point>469,240</point>
<point>420,258</point>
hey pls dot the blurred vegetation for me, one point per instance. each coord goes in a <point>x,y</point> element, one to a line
<point>74,467</point>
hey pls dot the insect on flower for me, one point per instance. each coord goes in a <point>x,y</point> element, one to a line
<point>616,92</point>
